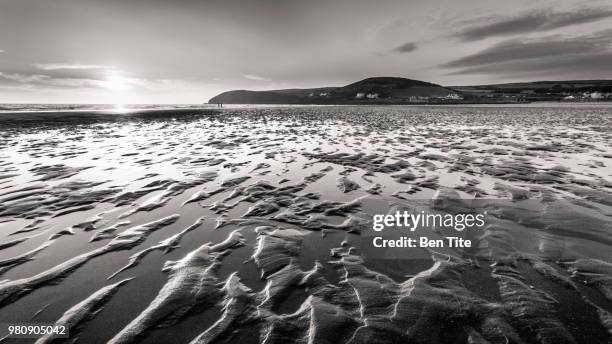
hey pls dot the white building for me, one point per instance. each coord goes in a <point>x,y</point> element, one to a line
<point>454,96</point>
<point>372,95</point>
<point>360,95</point>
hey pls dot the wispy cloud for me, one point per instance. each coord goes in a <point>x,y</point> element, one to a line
<point>68,81</point>
<point>586,66</point>
<point>406,48</point>
<point>518,49</point>
<point>542,20</point>
<point>56,66</point>
<point>23,78</point>
<point>1,51</point>
<point>113,81</point>
<point>256,77</point>
<point>559,54</point>
<point>49,81</point>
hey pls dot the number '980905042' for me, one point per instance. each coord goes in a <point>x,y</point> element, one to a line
<point>25,330</point>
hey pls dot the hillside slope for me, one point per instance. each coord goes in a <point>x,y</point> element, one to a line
<point>378,89</point>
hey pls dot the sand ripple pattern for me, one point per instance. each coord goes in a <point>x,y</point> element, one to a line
<point>243,225</point>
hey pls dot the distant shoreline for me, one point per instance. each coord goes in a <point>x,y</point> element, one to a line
<point>31,114</point>
<point>402,91</point>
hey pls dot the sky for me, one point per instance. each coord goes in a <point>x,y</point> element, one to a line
<point>187,51</point>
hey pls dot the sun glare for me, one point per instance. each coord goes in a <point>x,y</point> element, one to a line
<point>121,108</point>
<point>116,82</point>
<point>118,87</point>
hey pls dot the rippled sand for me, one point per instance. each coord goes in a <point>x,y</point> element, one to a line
<point>243,225</point>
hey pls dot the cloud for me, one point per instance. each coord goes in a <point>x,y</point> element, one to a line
<point>587,66</point>
<point>579,57</point>
<point>110,81</point>
<point>406,48</point>
<point>56,66</point>
<point>1,51</point>
<point>23,78</point>
<point>542,20</point>
<point>49,81</point>
<point>255,77</point>
<point>106,82</point>
<point>517,49</point>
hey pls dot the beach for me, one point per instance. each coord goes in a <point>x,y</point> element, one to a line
<point>245,224</point>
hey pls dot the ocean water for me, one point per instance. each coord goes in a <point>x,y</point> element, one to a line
<point>9,108</point>
<point>244,224</point>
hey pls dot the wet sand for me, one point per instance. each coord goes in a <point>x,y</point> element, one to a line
<point>243,225</point>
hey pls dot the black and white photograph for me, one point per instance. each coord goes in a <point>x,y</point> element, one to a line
<point>310,172</point>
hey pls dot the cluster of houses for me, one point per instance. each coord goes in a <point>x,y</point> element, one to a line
<point>361,95</point>
<point>322,94</point>
<point>588,96</point>
<point>490,95</point>
<point>412,99</point>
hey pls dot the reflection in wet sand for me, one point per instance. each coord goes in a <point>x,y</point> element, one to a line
<point>243,225</point>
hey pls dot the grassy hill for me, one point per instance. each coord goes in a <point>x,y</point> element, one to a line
<point>392,90</point>
<point>371,90</point>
